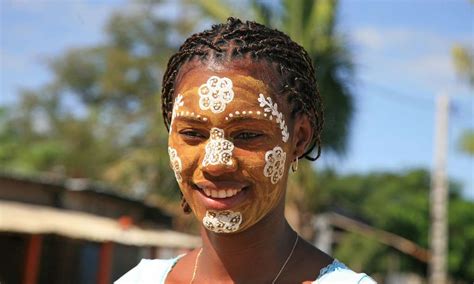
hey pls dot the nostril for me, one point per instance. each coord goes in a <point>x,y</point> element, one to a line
<point>219,169</point>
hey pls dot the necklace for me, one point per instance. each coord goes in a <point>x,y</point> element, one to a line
<point>195,266</point>
<point>274,280</point>
<point>286,261</point>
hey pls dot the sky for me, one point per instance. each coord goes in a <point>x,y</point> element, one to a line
<point>401,50</point>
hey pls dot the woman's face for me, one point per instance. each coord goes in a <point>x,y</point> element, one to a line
<point>229,146</point>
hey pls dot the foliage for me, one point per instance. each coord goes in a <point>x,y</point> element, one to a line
<point>397,203</point>
<point>98,118</point>
<point>466,143</point>
<point>463,59</point>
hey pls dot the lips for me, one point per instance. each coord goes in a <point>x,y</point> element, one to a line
<point>221,195</point>
<point>224,193</point>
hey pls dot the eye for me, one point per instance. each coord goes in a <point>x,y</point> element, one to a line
<point>247,135</point>
<point>192,134</point>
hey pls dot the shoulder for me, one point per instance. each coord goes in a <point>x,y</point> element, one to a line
<point>148,271</point>
<point>337,272</point>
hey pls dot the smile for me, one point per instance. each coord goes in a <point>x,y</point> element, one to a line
<point>221,195</point>
<point>225,193</point>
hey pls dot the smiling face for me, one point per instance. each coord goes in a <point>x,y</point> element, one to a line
<point>228,146</point>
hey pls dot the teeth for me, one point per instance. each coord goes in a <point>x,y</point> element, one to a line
<point>221,193</point>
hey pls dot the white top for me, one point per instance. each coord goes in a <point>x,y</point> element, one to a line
<point>154,271</point>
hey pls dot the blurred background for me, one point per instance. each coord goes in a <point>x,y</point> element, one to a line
<point>85,186</point>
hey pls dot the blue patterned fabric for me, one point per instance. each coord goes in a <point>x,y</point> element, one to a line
<point>332,267</point>
<point>338,273</point>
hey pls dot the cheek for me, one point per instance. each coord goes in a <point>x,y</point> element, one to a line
<point>176,163</point>
<point>266,169</point>
<point>188,154</point>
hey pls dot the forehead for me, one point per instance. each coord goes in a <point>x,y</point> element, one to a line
<point>246,76</point>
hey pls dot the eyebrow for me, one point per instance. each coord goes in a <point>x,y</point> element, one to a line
<point>228,120</point>
<point>233,119</point>
<point>193,119</point>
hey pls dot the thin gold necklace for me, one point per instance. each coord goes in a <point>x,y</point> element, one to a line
<point>274,280</point>
<point>195,266</point>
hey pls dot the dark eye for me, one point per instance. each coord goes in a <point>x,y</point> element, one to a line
<point>192,134</point>
<point>247,135</point>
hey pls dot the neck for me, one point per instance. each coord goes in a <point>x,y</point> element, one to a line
<point>242,256</point>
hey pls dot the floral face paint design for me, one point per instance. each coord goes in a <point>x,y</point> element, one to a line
<point>234,170</point>
<point>225,221</point>
<point>270,107</point>
<point>274,164</point>
<point>218,150</point>
<point>176,164</point>
<point>215,94</point>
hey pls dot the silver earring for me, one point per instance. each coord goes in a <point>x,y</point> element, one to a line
<point>294,165</point>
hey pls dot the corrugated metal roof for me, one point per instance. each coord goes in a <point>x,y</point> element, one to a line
<point>33,219</point>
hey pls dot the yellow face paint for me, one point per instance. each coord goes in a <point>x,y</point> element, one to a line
<point>232,145</point>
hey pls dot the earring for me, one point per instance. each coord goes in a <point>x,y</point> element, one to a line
<point>294,165</point>
<point>186,208</point>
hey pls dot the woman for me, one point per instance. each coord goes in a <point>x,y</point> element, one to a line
<point>241,105</point>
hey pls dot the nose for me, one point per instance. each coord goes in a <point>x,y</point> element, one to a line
<point>218,157</point>
<point>218,169</point>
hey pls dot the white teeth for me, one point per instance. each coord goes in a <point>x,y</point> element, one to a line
<point>221,193</point>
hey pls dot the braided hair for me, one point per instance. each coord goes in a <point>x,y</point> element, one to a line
<point>236,39</point>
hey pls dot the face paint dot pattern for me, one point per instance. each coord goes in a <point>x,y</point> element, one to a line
<point>215,94</point>
<point>222,221</point>
<point>272,108</point>
<point>192,114</point>
<point>218,150</point>
<point>274,164</point>
<point>176,165</point>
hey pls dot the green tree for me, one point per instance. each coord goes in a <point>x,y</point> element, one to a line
<point>397,203</point>
<point>463,59</point>
<point>98,117</point>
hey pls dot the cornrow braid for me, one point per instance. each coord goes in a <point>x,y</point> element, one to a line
<point>233,40</point>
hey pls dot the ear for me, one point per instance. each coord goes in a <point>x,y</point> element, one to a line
<point>303,132</point>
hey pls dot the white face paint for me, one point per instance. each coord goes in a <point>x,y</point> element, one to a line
<point>225,221</point>
<point>215,94</point>
<point>274,164</point>
<point>272,109</point>
<point>218,150</point>
<point>252,171</point>
<point>175,164</point>
<point>178,102</point>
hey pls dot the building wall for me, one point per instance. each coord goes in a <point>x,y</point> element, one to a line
<point>13,250</point>
<point>88,200</point>
<point>38,194</point>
